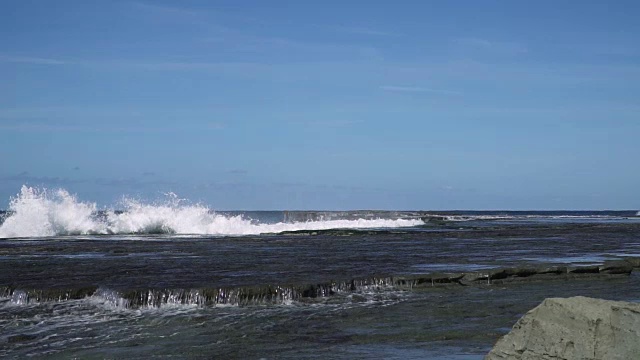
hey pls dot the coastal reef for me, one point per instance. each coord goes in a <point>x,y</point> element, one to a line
<point>301,292</point>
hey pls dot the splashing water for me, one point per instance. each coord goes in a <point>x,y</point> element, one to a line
<point>42,213</point>
<point>39,212</point>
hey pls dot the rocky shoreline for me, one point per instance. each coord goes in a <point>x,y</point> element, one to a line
<point>277,294</point>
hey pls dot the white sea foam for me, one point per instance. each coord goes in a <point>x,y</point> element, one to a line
<point>38,212</point>
<point>463,218</point>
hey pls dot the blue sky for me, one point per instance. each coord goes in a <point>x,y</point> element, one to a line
<point>324,105</point>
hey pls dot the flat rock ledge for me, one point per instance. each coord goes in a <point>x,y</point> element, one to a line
<point>574,328</point>
<point>283,293</point>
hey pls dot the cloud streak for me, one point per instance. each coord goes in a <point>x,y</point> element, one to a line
<point>165,10</point>
<point>499,47</point>
<point>72,128</point>
<point>328,123</point>
<point>417,89</point>
<point>33,60</point>
<point>362,31</point>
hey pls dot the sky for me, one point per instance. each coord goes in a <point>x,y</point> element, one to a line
<point>324,105</point>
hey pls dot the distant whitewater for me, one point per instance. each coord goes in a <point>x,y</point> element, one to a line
<point>41,212</point>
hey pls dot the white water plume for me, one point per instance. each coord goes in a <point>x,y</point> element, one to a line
<point>38,212</point>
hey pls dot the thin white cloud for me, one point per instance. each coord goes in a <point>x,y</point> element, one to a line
<point>194,15</point>
<point>299,49</point>
<point>502,47</point>
<point>73,128</point>
<point>362,31</point>
<point>203,19</point>
<point>38,127</point>
<point>33,60</point>
<point>416,89</point>
<point>165,9</point>
<point>329,123</point>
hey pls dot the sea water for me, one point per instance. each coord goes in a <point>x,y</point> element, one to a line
<point>182,280</point>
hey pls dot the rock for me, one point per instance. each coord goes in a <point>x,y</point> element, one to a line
<point>616,267</point>
<point>475,277</point>
<point>574,328</point>
<point>594,269</point>
<point>556,270</point>
<point>525,272</point>
<point>633,261</point>
<point>21,338</point>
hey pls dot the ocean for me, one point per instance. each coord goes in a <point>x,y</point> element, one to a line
<point>180,280</point>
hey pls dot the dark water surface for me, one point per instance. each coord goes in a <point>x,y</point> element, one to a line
<point>126,295</point>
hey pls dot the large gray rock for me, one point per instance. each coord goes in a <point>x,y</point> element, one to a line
<point>574,328</point>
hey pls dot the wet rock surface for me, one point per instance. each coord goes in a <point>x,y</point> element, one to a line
<point>283,293</point>
<point>574,328</point>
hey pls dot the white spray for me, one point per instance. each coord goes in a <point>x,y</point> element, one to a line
<point>37,212</point>
<point>42,213</point>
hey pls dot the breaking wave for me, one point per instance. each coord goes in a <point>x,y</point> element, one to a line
<point>40,212</point>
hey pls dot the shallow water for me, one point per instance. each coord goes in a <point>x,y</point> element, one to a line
<point>431,323</point>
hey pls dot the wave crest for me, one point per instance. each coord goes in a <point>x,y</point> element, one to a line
<point>39,212</point>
